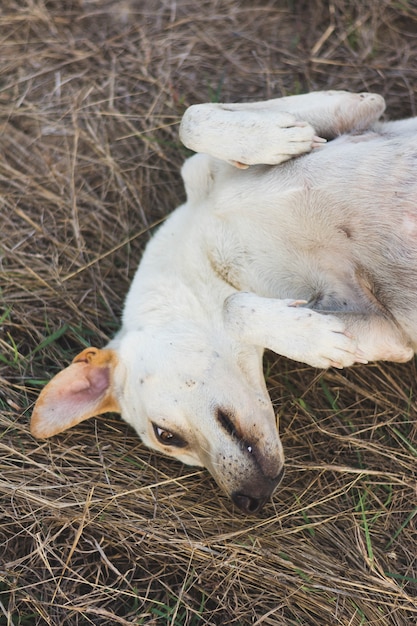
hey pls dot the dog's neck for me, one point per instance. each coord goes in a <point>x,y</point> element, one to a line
<point>172,281</point>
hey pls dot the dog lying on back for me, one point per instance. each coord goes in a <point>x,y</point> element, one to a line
<point>310,252</point>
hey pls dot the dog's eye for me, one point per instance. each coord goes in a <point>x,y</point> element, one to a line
<point>167,438</point>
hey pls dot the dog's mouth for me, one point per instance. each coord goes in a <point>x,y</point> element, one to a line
<point>252,498</point>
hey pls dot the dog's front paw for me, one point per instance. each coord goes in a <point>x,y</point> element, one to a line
<point>246,136</point>
<point>277,137</point>
<point>269,137</point>
<point>323,341</point>
<point>291,330</point>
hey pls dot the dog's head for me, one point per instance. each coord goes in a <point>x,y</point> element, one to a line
<point>194,397</point>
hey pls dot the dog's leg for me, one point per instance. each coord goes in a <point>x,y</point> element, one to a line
<point>379,338</point>
<point>333,113</point>
<point>274,131</point>
<point>246,136</point>
<point>292,331</point>
<point>311,337</point>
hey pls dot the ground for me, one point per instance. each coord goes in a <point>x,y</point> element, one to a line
<point>94,528</point>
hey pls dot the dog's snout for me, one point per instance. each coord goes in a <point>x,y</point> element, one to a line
<point>279,477</point>
<point>248,504</point>
<point>269,464</point>
<point>250,460</point>
<point>251,498</point>
<point>226,420</point>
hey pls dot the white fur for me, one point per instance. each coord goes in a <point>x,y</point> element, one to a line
<point>315,258</point>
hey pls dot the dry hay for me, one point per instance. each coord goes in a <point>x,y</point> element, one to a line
<point>95,529</point>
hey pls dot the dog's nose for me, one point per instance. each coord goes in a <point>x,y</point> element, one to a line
<point>252,498</point>
<point>248,504</point>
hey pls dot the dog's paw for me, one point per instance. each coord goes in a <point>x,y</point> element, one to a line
<point>322,340</point>
<point>291,330</point>
<point>269,137</point>
<point>246,136</point>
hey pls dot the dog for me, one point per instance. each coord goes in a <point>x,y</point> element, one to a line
<point>299,235</point>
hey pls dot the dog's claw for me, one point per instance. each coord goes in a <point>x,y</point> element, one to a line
<point>361,360</point>
<point>296,303</point>
<point>239,165</point>
<point>318,142</point>
<point>336,364</point>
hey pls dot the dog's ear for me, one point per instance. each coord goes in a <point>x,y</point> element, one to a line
<point>80,391</point>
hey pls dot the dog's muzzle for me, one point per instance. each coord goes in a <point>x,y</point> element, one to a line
<point>252,497</point>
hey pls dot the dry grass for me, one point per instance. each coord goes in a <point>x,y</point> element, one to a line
<point>95,529</point>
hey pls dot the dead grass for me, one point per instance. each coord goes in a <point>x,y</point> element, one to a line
<point>95,529</point>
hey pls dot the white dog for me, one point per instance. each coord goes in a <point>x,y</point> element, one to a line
<point>313,257</point>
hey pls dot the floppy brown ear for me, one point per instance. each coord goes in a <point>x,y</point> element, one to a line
<point>80,391</point>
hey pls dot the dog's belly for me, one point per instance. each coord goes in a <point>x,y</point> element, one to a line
<point>338,229</point>
<point>328,282</point>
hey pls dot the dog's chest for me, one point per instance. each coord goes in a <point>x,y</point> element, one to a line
<point>279,257</point>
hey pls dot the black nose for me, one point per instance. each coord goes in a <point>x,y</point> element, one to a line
<point>251,504</point>
<point>248,504</point>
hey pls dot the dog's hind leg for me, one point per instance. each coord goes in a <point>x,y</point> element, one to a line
<point>274,131</point>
